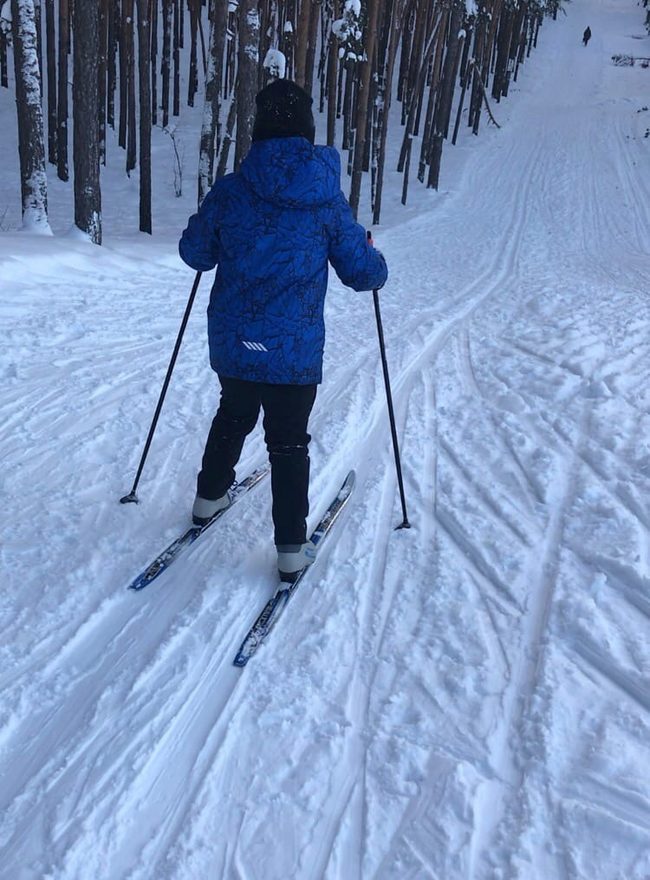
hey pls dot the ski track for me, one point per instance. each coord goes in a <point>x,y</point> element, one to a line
<point>415,714</point>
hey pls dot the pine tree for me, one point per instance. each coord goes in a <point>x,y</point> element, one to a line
<point>144,79</point>
<point>62,93</point>
<point>50,50</point>
<point>247,60</point>
<point>85,111</point>
<point>210,130</point>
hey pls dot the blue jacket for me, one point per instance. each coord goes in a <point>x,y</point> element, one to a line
<point>270,229</point>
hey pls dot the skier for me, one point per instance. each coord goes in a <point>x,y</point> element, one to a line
<point>586,36</point>
<point>270,228</point>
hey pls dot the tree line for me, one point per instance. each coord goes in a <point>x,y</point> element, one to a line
<point>442,61</point>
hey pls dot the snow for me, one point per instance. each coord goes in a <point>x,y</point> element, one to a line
<point>276,63</point>
<point>5,17</point>
<point>465,700</point>
<point>353,7</point>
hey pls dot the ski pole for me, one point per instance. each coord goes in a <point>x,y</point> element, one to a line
<point>405,524</point>
<point>132,497</point>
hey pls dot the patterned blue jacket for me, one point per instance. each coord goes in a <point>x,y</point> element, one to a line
<point>270,229</point>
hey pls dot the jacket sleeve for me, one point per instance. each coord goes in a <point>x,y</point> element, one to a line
<point>199,244</point>
<point>356,262</point>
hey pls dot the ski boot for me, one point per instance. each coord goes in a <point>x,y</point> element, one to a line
<point>292,558</point>
<point>204,509</point>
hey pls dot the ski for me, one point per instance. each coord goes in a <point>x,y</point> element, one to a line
<point>162,562</point>
<point>278,602</point>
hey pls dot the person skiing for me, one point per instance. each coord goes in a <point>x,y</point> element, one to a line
<point>271,228</point>
<point>586,36</point>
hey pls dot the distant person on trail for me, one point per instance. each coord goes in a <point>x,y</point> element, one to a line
<point>271,228</point>
<point>586,36</point>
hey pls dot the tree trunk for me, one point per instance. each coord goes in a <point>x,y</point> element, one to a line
<point>445,96</point>
<point>144,43</point>
<point>312,40</point>
<point>332,77</point>
<point>193,78</point>
<point>85,109</point>
<point>428,135</point>
<point>104,12</point>
<point>176,108</point>
<point>131,145</point>
<point>476,97</point>
<point>210,130</point>
<point>503,52</point>
<point>62,102</point>
<point>227,138</point>
<point>247,58</point>
<point>4,70</point>
<point>111,68</point>
<point>31,144</point>
<point>384,100</point>
<point>168,15</point>
<point>50,50</point>
<point>39,41</point>
<point>302,41</point>
<point>363,99</point>
<point>461,102</point>
<point>350,69</point>
<point>411,76</point>
<point>124,75</point>
<point>515,46</point>
<point>153,61</point>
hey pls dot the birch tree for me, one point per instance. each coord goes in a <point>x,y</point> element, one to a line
<point>31,144</point>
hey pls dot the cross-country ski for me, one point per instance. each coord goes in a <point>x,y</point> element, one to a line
<point>271,612</point>
<point>171,553</point>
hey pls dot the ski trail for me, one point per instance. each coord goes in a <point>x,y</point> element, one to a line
<point>502,795</point>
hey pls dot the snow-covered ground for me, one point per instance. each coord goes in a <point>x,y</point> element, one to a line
<point>466,700</point>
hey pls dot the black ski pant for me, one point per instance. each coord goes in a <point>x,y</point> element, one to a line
<point>286,414</point>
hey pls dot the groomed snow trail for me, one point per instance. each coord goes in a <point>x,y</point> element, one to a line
<point>466,700</point>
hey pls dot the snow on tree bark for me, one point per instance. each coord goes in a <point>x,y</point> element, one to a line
<point>85,113</point>
<point>31,144</point>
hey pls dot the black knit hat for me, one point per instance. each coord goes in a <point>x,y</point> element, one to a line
<point>283,110</point>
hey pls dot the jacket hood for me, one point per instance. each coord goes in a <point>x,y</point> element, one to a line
<point>292,172</point>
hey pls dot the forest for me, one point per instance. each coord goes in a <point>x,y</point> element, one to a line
<point>132,65</point>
